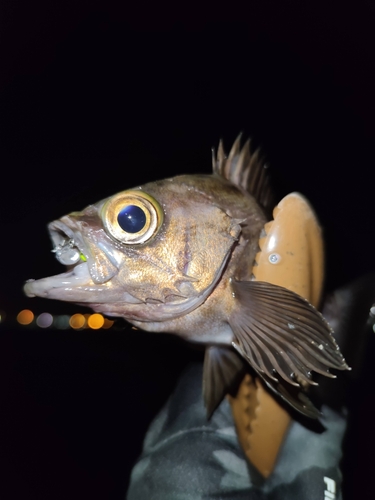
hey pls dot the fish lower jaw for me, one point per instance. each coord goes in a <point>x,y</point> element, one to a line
<point>76,285</point>
<point>43,287</point>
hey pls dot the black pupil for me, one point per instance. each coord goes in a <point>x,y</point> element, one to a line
<point>131,219</point>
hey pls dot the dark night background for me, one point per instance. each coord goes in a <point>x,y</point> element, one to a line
<point>100,96</point>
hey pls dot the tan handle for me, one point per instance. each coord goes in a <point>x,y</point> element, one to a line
<point>291,255</point>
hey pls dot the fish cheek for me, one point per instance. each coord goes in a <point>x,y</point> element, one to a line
<point>143,278</point>
<point>184,260</point>
<point>137,278</point>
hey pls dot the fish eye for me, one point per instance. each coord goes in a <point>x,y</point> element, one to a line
<point>132,217</point>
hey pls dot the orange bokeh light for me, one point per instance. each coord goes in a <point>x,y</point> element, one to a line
<point>77,321</point>
<point>95,321</point>
<point>107,323</point>
<point>25,317</point>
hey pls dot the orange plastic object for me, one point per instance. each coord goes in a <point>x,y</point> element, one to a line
<point>291,255</point>
<point>292,251</point>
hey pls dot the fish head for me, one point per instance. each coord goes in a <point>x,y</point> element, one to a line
<point>153,253</point>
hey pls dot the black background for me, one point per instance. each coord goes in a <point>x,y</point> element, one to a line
<point>100,96</point>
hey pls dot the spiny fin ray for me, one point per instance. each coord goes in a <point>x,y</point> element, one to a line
<point>245,169</point>
<point>223,370</point>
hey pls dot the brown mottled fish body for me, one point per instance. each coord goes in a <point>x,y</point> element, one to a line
<point>176,256</point>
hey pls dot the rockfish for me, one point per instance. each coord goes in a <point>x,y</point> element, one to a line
<point>176,256</point>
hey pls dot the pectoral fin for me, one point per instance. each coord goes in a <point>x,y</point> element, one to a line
<point>291,395</point>
<point>222,372</point>
<point>284,338</point>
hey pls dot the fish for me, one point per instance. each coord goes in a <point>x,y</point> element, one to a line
<point>176,256</point>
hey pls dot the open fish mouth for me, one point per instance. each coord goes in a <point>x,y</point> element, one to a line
<point>73,245</point>
<point>87,273</point>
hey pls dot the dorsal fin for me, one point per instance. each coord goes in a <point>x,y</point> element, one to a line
<point>244,169</point>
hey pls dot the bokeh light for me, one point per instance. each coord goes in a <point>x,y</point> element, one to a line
<point>44,320</point>
<point>77,321</point>
<point>61,322</point>
<point>95,321</point>
<point>87,315</point>
<point>107,323</point>
<point>25,317</point>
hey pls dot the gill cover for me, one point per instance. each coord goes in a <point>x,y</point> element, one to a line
<point>132,217</point>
